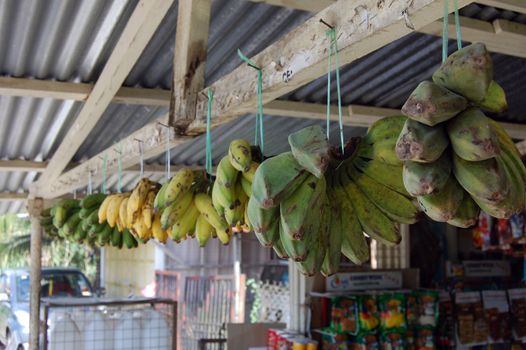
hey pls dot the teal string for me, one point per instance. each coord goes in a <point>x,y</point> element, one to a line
<point>457,25</point>
<point>90,183</point>
<point>328,126</point>
<point>333,47</point>
<point>445,33</point>
<point>208,147</point>
<point>168,157</point>
<point>119,171</point>
<point>104,165</point>
<point>259,132</point>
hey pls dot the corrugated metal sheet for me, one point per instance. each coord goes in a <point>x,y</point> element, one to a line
<point>71,41</point>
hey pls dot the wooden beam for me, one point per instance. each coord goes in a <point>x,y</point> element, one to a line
<point>13,196</point>
<point>501,36</point>
<point>303,5</point>
<point>510,5</point>
<point>191,42</point>
<point>140,28</point>
<point>301,56</point>
<point>22,165</point>
<point>79,91</point>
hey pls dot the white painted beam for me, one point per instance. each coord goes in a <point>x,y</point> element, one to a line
<point>510,5</point>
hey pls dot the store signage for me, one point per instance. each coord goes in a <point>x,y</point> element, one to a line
<point>486,268</point>
<point>353,281</point>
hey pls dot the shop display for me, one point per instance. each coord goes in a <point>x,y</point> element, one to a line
<point>482,168</point>
<point>392,312</point>
<point>517,305</point>
<point>344,315</point>
<point>446,322</point>
<point>472,327</point>
<point>368,315</point>
<point>497,315</point>
<point>428,308</point>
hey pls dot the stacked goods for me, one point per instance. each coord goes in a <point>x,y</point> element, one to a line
<point>183,208</point>
<point>233,184</point>
<point>457,160</point>
<point>312,207</point>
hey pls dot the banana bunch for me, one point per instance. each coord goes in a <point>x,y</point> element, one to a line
<point>183,209</point>
<point>131,213</point>
<point>233,185</point>
<point>312,207</point>
<point>456,159</point>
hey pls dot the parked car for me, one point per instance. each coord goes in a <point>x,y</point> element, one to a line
<point>14,299</point>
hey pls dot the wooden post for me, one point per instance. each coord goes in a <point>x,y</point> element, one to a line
<point>35,207</point>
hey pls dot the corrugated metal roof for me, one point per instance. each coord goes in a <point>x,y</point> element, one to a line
<point>71,41</point>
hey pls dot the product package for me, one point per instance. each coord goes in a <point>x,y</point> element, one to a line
<point>427,308</point>
<point>425,339</point>
<point>472,327</point>
<point>344,315</point>
<point>446,322</point>
<point>368,317</point>
<point>365,341</point>
<point>330,340</point>
<point>411,309</point>
<point>517,226</point>
<point>392,312</point>
<point>517,305</point>
<point>496,311</point>
<point>482,232</point>
<point>392,341</point>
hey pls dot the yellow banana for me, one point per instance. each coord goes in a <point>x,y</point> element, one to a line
<point>140,229</point>
<point>147,209</point>
<point>121,221</point>
<point>176,210</point>
<point>240,154</point>
<point>249,175</point>
<point>103,209</point>
<point>112,213</point>
<point>179,185</point>
<point>247,186</point>
<point>157,232</point>
<point>204,204</point>
<point>203,230</point>
<point>137,199</point>
<point>185,225</point>
<point>226,174</point>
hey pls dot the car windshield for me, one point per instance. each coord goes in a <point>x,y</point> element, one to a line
<point>55,284</point>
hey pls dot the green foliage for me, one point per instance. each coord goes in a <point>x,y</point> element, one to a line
<point>15,238</point>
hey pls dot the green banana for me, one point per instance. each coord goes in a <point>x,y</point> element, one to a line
<point>317,251</point>
<point>467,71</point>
<point>485,180</point>
<point>159,202</point>
<point>443,205</point>
<point>431,104</point>
<point>383,151</point>
<point>59,217</point>
<point>264,222</point>
<point>397,207</point>
<point>295,208</point>
<point>276,178</point>
<point>92,200</point>
<point>226,174</point>
<point>385,129</point>
<point>472,136</point>
<point>240,154</point>
<point>426,178</point>
<point>278,248</point>
<point>386,174</point>
<point>311,149</point>
<point>373,221</point>
<point>116,238</point>
<point>467,213</point>
<point>247,186</point>
<point>495,99</point>
<point>421,143</point>
<point>128,240</point>
<point>71,224</point>
<point>508,146</point>
<point>331,261</point>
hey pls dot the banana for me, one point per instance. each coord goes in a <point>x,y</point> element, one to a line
<point>485,180</point>
<point>276,178</point>
<point>443,205</point>
<point>421,143</point>
<point>472,136</point>
<point>116,239</point>
<point>467,213</point>
<point>185,224</point>
<point>218,200</point>
<point>92,200</point>
<point>387,128</point>
<point>175,210</point>
<point>71,224</point>
<point>240,154</point>
<point>397,207</point>
<point>204,204</point>
<point>495,99</point>
<point>264,222</point>
<point>354,244</point>
<point>157,232</point>
<point>317,251</point>
<point>383,151</point>
<point>247,186</point>
<point>467,72</point>
<point>426,178</point>
<point>103,209</point>
<point>331,261</point>
<point>431,104</point>
<point>140,229</point>
<point>386,174</point>
<point>311,149</point>
<point>160,200</point>
<point>128,239</point>
<point>104,236</point>
<point>122,222</point>
<point>224,196</point>
<point>508,146</point>
<point>147,209</point>
<point>113,209</point>
<point>373,221</point>
<point>179,184</point>
<point>137,199</point>
<point>203,230</point>
<point>226,174</point>
<point>84,213</point>
<point>249,175</point>
<point>60,216</point>
<point>295,208</point>
<point>278,249</point>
